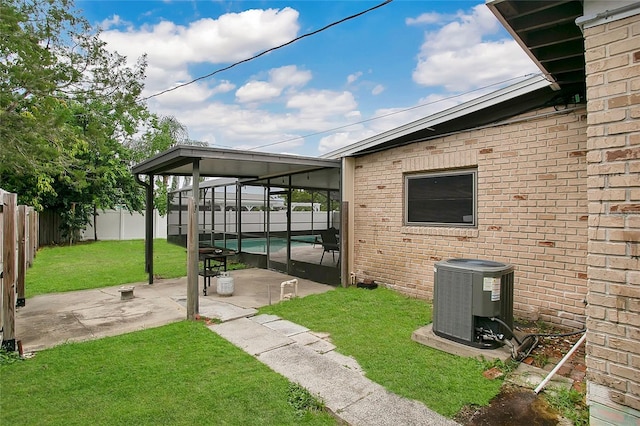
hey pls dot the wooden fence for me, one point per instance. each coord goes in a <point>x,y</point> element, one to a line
<point>49,232</point>
<point>19,238</point>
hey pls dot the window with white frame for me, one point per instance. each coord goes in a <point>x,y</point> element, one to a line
<point>441,199</point>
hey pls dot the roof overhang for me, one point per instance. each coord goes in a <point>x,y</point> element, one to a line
<point>245,165</point>
<point>547,31</point>
<point>483,110</point>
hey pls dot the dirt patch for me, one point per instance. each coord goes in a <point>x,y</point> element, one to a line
<point>513,406</point>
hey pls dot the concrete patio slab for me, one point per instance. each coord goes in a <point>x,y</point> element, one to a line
<point>338,386</point>
<point>264,318</point>
<point>52,319</point>
<point>285,327</point>
<point>219,310</point>
<point>251,337</point>
<point>345,361</point>
<point>427,337</point>
<point>322,346</point>
<point>305,338</point>
<point>383,408</point>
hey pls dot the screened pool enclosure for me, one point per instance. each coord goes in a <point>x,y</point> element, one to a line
<point>278,212</point>
<point>263,224</point>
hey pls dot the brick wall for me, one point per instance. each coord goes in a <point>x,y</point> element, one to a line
<point>613,340</point>
<point>532,212</point>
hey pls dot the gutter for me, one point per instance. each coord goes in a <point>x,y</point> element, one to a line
<point>140,182</point>
<point>607,16</point>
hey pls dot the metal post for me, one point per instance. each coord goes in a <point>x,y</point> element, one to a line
<point>239,215</point>
<point>193,243</point>
<point>289,226</point>
<point>343,255</point>
<point>192,262</point>
<point>148,223</point>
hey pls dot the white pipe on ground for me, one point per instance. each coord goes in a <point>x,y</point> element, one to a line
<point>560,364</point>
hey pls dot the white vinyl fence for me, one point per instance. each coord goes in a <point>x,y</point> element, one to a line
<point>122,225</point>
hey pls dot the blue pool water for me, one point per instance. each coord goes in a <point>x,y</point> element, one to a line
<point>259,245</point>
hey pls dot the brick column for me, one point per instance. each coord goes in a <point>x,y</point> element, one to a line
<point>613,314</point>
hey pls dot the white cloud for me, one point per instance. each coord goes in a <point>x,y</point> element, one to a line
<point>425,18</point>
<point>337,140</point>
<point>257,91</point>
<point>229,38</point>
<point>353,77</point>
<point>114,21</point>
<point>279,79</point>
<point>289,76</point>
<point>223,87</point>
<point>458,58</point>
<point>172,48</point>
<point>379,88</point>
<point>323,103</point>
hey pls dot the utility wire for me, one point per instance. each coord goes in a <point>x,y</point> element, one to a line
<point>333,24</point>
<point>391,113</point>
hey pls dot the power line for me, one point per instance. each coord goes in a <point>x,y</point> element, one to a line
<point>333,24</point>
<point>392,113</point>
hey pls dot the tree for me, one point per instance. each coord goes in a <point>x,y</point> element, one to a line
<point>308,196</point>
<point>67,109</point>
<point>165,132</point>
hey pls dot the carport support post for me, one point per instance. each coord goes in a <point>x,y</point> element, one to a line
<point>148,236</point>
<point>193,244</point>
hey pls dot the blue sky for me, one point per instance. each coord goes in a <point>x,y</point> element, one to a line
<point>323,92</point>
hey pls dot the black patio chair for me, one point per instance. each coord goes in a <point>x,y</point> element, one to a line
<point>329,242</point>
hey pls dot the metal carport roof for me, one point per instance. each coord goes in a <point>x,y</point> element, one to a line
<point>244,165</point>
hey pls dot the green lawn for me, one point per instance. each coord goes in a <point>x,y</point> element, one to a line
<point>101,264</point>
<point>375,326</point>
<point>179,374</point>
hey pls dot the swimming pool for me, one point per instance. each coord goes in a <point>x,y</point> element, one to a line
<point>259,245</point>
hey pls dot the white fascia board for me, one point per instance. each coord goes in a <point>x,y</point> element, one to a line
<point>598,12</point>
<point>485,101</point>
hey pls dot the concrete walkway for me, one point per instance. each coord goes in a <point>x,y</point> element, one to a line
<point>309,359</point>
<point>301,355</point>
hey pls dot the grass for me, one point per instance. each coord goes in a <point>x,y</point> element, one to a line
<point>100,264</point>
<point>375,328</point>
<point>570,403</point>
<point>179,374</point>
<point>138,376</point>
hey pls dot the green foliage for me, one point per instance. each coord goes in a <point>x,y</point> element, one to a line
<point>164,133</point>
<point>66,107</point>
<point>570,403</point>
<point>375,328</point>
<point>179,374</point>
<point>302,400</point>
<point>8,357</point>
<point>69,113</point>
<point>304,196</point>
<point>506,367</point>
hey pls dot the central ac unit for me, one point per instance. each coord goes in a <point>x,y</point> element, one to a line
<point>473,302</point>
